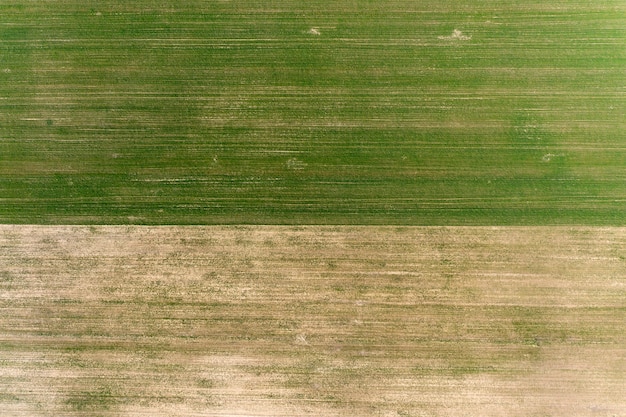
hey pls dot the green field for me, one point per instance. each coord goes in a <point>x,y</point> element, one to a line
<point>334,112</point>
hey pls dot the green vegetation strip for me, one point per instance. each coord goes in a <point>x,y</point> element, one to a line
<point>312,321</point>
<point>387,112</point>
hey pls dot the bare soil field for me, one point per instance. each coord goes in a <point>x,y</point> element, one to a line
<point>312,321</point>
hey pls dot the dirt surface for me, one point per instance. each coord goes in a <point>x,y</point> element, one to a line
<point>299,321</point>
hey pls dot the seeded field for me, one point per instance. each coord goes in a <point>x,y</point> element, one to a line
<point>327,112</point>
<point>312,321</point>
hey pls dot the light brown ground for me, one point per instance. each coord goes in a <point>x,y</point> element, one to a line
<point>299,321</point>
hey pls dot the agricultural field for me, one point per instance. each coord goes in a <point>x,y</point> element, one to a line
<point>325,112</point>
<point>312,321</point>
<point>392,208</point>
